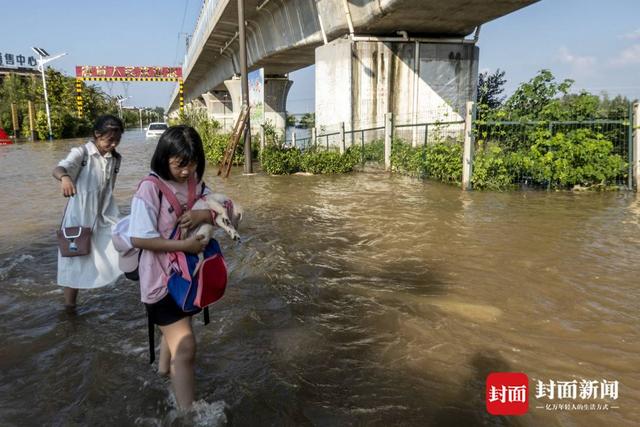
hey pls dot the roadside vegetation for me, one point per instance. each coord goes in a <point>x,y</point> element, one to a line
<point>61,90</point>
<point>541,136</point>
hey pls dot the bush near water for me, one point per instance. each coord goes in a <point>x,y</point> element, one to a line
<point>505,156</point>
<point>61,90</point>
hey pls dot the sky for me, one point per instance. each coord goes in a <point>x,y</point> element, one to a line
<point>593,42</point>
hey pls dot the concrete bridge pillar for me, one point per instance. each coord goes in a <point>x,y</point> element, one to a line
<point>358,81</point>
<point>276,89</point>
<point>235,93</point>
<point>218,103</point>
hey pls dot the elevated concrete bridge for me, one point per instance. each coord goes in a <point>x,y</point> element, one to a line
<point>409,57</point>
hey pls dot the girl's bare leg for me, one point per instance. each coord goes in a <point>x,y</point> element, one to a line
<point>165,358</point>
<point>182,347</point>
<point>70,298</point>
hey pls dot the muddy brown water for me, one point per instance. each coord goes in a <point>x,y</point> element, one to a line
<point>362,299</point>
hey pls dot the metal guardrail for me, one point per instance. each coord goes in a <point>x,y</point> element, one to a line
<point>196,41</point>
<point>513,136</point>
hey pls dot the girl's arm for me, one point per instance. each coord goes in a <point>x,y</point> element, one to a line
<point>67,170</point>
<point>193,245</point>
<point>66,183</point>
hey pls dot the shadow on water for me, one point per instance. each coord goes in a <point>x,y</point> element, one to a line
<point>467,408</point>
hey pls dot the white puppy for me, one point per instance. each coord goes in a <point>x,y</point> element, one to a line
<point>228,215</point>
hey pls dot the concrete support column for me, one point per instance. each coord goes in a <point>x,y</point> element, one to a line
<point>235,93</point>
<point>198,104</point>
<point>334,85</point>
<point>636,145</point>
<point>276,89</point>
<point>358,81</point>
<point>219,108</point>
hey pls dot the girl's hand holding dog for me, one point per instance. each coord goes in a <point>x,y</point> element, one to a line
<point>68,188</point>
<point>193,218</point>
<point>194,245</point>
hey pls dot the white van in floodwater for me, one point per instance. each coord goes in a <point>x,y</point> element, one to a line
<point>156,129</point>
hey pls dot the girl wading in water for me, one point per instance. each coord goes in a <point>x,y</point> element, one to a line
<point>179,163</point>
<point>87,177</point>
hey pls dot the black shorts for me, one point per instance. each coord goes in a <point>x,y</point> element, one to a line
<point>166,311</point>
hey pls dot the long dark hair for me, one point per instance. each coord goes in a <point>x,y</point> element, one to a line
<point>182,142</point>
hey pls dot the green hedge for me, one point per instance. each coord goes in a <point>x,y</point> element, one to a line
<point>581,157</point>
<point>441,161</point>
<point>328,162</point>
<point>280,161</point>
<point>277,160</point>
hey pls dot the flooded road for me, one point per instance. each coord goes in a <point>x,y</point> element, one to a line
<point>362,299</point>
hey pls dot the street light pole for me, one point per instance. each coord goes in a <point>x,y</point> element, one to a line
<point>42,54</point>
<point>46,102</point>
<point>120,101</point>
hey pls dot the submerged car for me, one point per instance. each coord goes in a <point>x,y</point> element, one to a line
<point>156,129</point>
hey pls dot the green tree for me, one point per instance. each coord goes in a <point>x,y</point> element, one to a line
<point>308,121</point>
<point>615,108</point>
<point>531,98</point>
<point>490,89</point>
<point>17,90</point>
<point>291,120</point>
<point>581,106</point>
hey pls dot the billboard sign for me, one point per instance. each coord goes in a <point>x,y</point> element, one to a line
<point>256,96</point>
<point>125,73</point>
<point>13,60</point>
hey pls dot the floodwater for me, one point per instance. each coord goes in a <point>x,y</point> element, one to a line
<point>363,299</point>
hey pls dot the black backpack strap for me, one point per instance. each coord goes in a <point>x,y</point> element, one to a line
<point>152,333</point>
<point>85,156</point>
<point>116,168</point>
<point>205,315</point>
<point>118,158</point>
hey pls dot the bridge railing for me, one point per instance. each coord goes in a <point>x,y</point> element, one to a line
<point>200,33</point>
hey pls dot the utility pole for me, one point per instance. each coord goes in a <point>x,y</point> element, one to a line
<point>14,118</point>
<point>140,114</point>
<point>245,85</point>
<point>32,128</point>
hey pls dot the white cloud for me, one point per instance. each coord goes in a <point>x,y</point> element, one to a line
<point>575,60</point>
<point>633,35</point>
<point>628,56</point>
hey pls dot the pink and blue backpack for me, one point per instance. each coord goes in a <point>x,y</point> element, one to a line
<point>192,284</point>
